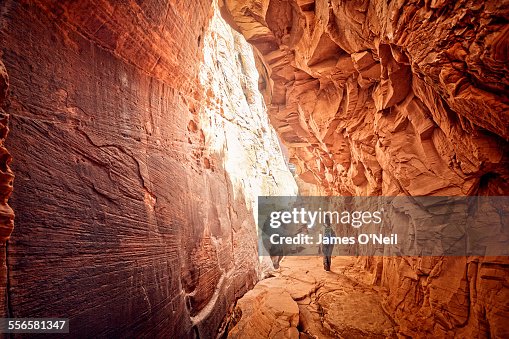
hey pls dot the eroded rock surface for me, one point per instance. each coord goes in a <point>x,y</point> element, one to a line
<point>390,98</point>
<point>304,298</point>
<point>6,183</point>
<point>137,165</point>
<point>266,313</point>
<point>385,98</point>
<point>131,198</point>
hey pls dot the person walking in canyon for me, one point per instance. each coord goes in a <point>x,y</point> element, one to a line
<point>327,246</point>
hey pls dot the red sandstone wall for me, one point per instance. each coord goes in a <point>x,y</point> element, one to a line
<point>6,182</point>
<point>111,198</point>
<point>109,189</point>
<point>376,98</point>
<point>396,98</point>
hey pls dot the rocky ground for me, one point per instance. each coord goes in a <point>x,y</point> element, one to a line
<point>302,300</point>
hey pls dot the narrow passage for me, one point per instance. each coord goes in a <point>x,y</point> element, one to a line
<point>302,300</point>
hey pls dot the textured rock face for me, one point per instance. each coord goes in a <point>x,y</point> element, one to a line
<point>6,181</point>
<point>137,170</point>
<point>365,107</point>
<point>6,175</point>
<point>390,98</point>
<point>133,211</point>
<point>234,118</point>
<point>266,313</point>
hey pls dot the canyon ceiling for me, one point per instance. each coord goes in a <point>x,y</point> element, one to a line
<point>127,120</point>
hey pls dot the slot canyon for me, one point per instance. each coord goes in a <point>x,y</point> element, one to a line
<point>136,137</point>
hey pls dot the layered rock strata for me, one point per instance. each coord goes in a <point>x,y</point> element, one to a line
<point>392,98</point>
<point>140,143</point>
